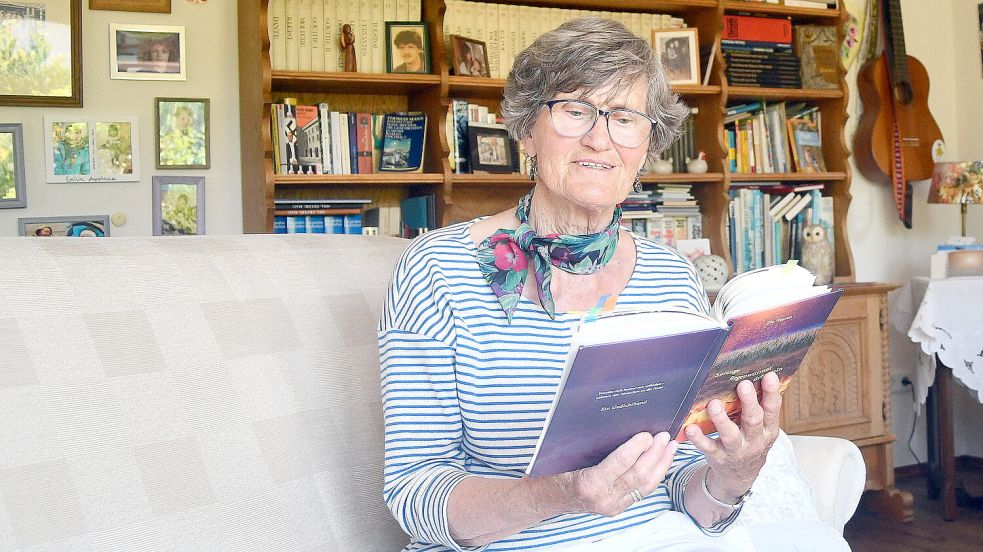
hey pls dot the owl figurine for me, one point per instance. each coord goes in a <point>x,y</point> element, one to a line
<point>817,253</point>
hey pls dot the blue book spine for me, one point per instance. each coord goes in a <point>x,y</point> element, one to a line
<point>461,136</point>
<point>315,224</point>
<point>352,224</point>
<point>353,140</point>
<point>297,225</point>
<point>279,225</point>
<point>334,224</point>
<point>743,108</point>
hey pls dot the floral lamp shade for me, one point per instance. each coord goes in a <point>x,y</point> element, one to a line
<point>960,183</point>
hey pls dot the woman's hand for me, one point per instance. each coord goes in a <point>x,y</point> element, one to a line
<point>639,464</point>
<point>736,457</point>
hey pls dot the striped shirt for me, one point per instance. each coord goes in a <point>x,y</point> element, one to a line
<point>466,393</point>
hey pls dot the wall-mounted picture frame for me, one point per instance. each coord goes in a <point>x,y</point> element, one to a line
<point>407,47</point>
<point>13,188</point>
<point>470,57</point>
<point>95,226</point>
<point>80,149</point>
<point>181,140</point>
<point>679,52</point>
<point>179,205</point>
<point>491,149</point>
<point>45,68</point>
<point>146,6</point>
<point>147,52</point>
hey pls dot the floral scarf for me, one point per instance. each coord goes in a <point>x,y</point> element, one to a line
<point>505,256</point>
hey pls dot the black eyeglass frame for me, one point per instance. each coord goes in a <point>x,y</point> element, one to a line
<point>550,103</point>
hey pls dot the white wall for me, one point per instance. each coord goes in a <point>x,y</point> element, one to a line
<point>210,31</point>
<point>943,36</point>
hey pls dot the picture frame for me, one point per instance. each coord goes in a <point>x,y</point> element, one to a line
<point>81,149</point>
<point>679,52</point>
<point>492,149</point>
<point>179,205</point>
<point>13,188</point>
<point>182,137</point>
<point>91,226</point>
<point>145,6</point>
<point>147,52</point>
<point>469,57</point>
<point>407,47</point>
<point>55,81</point>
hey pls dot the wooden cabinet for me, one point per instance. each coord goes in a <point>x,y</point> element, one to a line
<point>843,389</point>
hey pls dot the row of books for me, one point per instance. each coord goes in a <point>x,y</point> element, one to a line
<point>765,222</point>
<point>817,4</point>
<point>664,213</point>
<point>508,29</point>
<point>317,224</point>
<point>305,35</point>
<point>774,138</point>
<point>413,216</point>
<point>309,139</point>
<point>758,52</point>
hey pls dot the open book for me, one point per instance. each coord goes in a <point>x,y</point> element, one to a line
<point>653,371</point>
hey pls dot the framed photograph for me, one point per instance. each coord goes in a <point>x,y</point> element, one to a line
<point>179,205</point>
<point>148,6</point>
<point>67,227</point>
<point>91,149</point>
<point>679,51</point>
<point>147,52</point>
<point>470,57</point>
<point>492,150</point>
<point>43,53</point>
<point>12,180</point>
<point>407,47</point>
<point>181,140</point>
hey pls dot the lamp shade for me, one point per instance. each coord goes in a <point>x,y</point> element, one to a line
<point>960,182</point>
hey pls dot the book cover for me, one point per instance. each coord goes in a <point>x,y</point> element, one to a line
<point>761,29</point>
<point>308,139</point>
<point>633,371</point>
<point>403,142</point>
<point>819,51</point>
<point>807,146</point>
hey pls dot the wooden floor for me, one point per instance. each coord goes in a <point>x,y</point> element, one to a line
<point>868,532</point>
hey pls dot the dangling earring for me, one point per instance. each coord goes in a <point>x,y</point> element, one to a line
<point>531,160</point>
<point>637,186</point>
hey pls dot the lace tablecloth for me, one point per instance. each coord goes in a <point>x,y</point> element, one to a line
<point>944,317</point>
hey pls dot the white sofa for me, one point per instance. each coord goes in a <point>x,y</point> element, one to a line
<point>214,393</point>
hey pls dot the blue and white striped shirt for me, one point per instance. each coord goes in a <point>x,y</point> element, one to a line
<point>465,393</point>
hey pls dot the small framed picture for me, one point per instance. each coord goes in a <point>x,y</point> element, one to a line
<point>179,205</point>
<point>67,227</point>
<point>679,51</point>
<point>149,6</point>
<point>181,140</point>
<point>91,149</point>
<point>470,57</point>
<point>147,52</point>
<point>13,192</point>
<point>492,150</point>
<point>407,47</point>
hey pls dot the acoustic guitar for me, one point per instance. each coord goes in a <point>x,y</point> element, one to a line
<point>896,133</point>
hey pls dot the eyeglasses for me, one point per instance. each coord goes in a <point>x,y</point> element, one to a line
<point>575,118</point>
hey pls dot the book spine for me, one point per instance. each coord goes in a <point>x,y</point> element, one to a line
<point>353,141</point>
<point>343,12</point>
<point>275,22</point>
<point>764,29</point>
<point>279,225</point>
<point>309,212</point>
<point>315,38</point>
<point>363,40</point>
<point>315,224</point>
<point>364,140</point>
<point>403,10</point>
<point>324,118</point>
<point>303,34</point>
<point>377,47</point>
<point>346,156</point>
<point>292,55</point>
<point>330,30</point>
<point>414,10</point>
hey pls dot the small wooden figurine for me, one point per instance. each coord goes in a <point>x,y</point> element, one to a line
<point>348,47</point>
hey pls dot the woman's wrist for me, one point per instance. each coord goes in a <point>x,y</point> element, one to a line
<point>718,491</point>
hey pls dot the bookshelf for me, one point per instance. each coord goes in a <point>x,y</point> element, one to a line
<point>849,360</point>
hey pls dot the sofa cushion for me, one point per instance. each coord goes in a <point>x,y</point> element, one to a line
<point>212,393</point>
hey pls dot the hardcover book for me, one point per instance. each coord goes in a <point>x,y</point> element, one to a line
<point>653,371</point>
<point>807,145</point>
<point>403,142</point>
<point>819,52</point>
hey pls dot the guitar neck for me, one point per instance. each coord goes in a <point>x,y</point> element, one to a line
<point>895,42</point>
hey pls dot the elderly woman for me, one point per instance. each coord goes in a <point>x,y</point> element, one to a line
<point>480,316</point>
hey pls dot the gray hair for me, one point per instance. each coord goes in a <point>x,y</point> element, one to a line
<point>588,54</point>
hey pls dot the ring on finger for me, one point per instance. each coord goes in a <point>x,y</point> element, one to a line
<point>636,495</point>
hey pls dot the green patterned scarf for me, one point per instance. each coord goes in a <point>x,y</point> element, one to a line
<point>504,257</point>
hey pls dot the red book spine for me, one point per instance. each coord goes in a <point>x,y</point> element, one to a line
<point>760,29</point>
<point>363,137</point>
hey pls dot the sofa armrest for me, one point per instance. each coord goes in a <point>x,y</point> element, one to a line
<point>836,470</point>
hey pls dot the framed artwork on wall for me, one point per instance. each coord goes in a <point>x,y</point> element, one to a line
<point>679,52</point>
<point>147,52</point>
<point>91,149</point>
<point>407,47</point>
<point>179,205</point>
<point>44,65</point>
<point>96,226</point>
<point>149,6</point>
<point>12,175</point>
<point>182,137</point>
